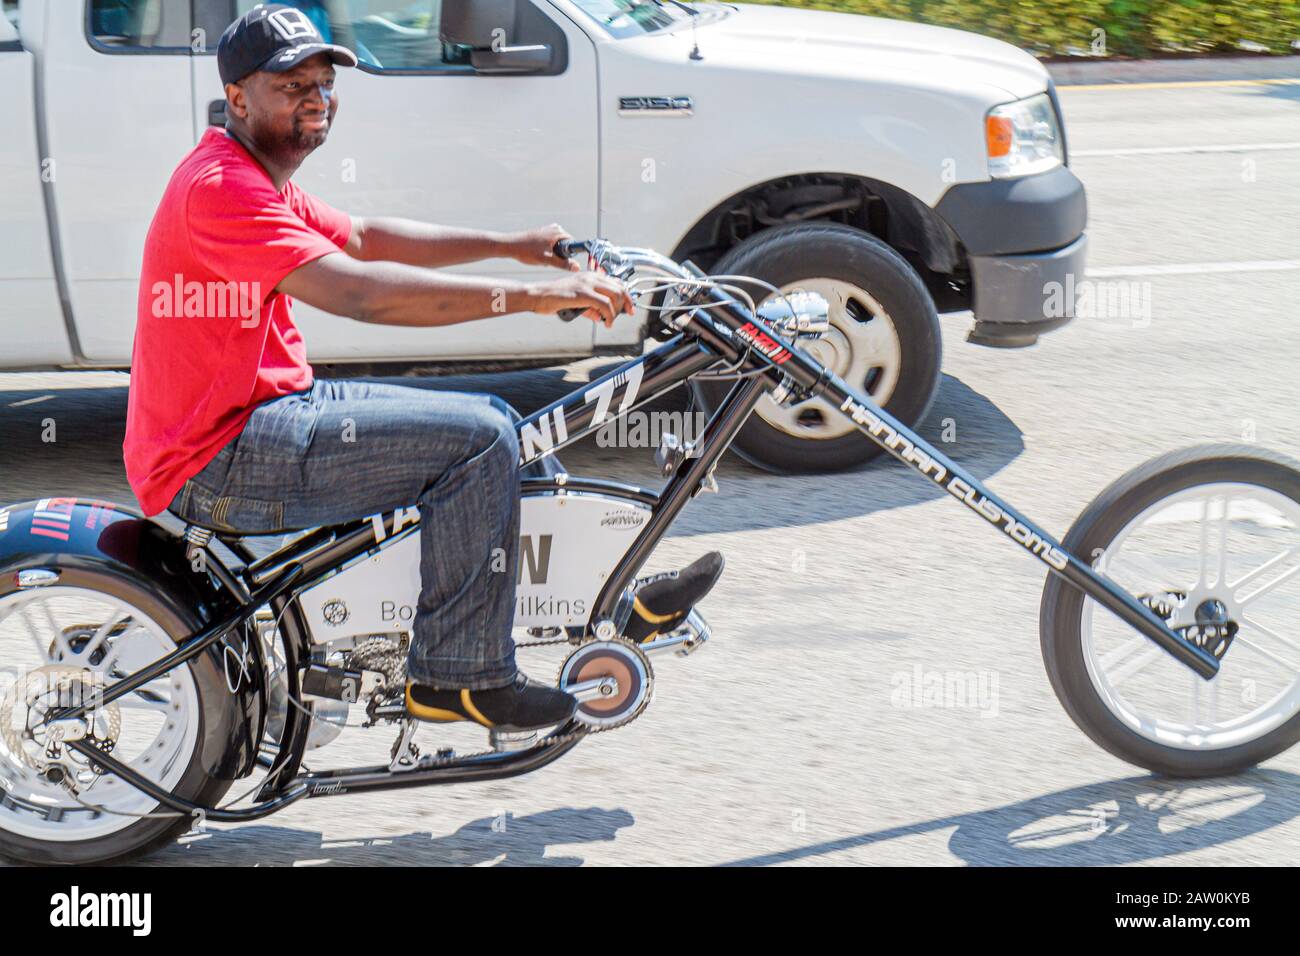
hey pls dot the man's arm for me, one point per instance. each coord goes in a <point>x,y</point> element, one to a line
<point>390,293</point>
<point>423,244</point>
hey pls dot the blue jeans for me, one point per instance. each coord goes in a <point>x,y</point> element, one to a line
<point>344,450</point>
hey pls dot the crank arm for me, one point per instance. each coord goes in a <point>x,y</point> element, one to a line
<point>584,691</point>
<point>593,689</point>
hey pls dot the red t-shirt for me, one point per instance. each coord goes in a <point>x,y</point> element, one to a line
<point>213,339</point>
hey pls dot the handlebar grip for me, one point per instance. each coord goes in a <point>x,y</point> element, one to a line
<point>565,248</point>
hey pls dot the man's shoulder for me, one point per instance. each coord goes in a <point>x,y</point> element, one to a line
<point>213,173</point>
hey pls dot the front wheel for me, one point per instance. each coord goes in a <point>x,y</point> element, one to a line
<point>884,339</point>
<point>1209,538</point>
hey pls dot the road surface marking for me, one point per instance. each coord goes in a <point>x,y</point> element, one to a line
<point>1161,150</point>
<point>1171,84</point>
<point>1195,268</point>
<point>31,401</point>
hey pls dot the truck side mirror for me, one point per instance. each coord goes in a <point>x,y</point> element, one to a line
<point>491,28</point>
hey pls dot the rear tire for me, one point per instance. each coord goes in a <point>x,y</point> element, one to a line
<point>146,834</point>
<point>869,286</point>
<point>1083,687</point>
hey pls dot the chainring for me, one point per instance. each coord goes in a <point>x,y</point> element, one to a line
<point>618,658</point>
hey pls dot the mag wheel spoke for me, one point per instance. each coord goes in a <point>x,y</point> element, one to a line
<point>1134,661</point>
<point>1236,544</point>
<point>1264,589</point>
<point>66,645</point>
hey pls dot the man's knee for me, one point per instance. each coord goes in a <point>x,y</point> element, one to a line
<point>505,408</point>
<point>500,438</point>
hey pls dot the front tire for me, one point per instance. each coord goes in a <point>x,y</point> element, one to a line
<point>1212,523</point>
<point>884,340</point>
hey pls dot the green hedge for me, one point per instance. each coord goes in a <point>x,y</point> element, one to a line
<point>1131,27</point>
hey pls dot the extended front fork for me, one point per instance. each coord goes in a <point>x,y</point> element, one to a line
<point>733,333</point>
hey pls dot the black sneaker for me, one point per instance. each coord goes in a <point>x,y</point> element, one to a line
<point>663,600</point>
<point>523,704</point>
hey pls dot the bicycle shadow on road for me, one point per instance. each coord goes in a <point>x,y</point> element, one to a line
<point>503,840</point>
<point>1131,820</point>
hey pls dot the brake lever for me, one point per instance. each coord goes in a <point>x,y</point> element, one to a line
<point>565,248</point>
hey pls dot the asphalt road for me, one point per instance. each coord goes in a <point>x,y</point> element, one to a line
<point>783,741</point>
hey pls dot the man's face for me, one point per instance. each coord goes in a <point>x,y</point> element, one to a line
<point>288,115</point>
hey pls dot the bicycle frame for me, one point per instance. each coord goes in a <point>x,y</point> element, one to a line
<point>715,330</point>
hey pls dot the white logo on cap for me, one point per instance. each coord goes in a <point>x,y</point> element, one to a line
<point>292,24</point>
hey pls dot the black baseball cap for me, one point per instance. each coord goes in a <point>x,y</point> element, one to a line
<point>274,37</point>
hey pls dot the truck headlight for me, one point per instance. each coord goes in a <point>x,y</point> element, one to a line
<point>1022,137</point>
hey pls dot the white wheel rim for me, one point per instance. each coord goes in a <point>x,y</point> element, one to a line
<point>159,722</point>
<point>865,352</point>
<point>1244,550</point>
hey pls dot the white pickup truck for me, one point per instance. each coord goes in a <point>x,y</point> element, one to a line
<point>822,150</point>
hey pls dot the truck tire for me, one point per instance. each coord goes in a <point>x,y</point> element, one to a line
<point>884,340</point>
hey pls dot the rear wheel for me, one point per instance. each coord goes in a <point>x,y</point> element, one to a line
<point>1194,531</point>
<point>884,339</point>
<point>61,645</point>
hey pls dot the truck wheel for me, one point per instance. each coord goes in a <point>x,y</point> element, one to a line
<point>884,339</point>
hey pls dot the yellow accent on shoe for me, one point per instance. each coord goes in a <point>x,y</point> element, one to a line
<point>472,710</point>
<point>423,712</point>
<point>649,615</point>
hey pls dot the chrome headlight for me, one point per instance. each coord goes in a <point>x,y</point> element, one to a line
<point>1023,137</point>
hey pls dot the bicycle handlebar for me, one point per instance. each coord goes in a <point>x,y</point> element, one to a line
<point>613,260</point>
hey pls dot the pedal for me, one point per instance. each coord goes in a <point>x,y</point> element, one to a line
<point>663,602</point>
<point>504,742</point>
<point>684,640</point>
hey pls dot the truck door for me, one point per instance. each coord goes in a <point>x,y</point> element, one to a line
<point>32,330</point>
<point>118,117</point>
<point>423,135</point>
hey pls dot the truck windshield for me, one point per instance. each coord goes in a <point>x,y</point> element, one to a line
<point>624,18</point>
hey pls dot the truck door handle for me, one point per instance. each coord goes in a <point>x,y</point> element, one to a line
<point>217,113</point>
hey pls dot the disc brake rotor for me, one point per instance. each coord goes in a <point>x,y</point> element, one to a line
<point>39,745</point>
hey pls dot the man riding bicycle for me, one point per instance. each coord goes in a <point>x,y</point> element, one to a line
<point>226,425</point>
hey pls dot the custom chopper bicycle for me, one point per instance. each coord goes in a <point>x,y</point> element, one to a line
<point>147,670</point>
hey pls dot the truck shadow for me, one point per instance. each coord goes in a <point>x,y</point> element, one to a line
<point>68,442</point>
<point>963,423</point>
<point>1103,824</point>
<point>504,840</point>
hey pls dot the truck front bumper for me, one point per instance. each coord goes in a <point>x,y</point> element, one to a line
<point>1024,238</point>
